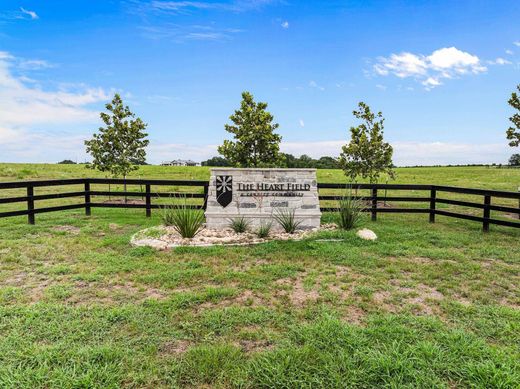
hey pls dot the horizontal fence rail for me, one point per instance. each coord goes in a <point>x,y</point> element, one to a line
<point>431,196</point>
<point>432,200</point>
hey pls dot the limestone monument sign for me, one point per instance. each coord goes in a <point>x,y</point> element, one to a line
<point>257,194</point>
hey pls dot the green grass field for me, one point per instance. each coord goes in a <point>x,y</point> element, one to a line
<point>474,177</point>
<point>426,305</point>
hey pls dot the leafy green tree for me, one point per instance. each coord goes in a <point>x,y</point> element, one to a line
<point>514,160</point>
<point>119,147</point>
<point>513,132</point>
<point>367,155</point>
<point>255,141</point>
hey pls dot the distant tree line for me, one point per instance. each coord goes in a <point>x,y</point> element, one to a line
<point>285,160</point>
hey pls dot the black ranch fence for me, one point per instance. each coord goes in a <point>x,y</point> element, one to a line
<point>434,195</point>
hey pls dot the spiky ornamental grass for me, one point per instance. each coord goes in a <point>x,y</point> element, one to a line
<point>239,224</point>
<point>286,218</point>
<point>185,220</point>
<point>350,211</point>
<point>264,230</point>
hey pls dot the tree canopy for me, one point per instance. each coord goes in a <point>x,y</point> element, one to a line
<point>216,161</point>
<point>513,132</point>
<point>119,147</point>
<point>367,155</point>
<point>255,142</point>
<point>514,160</point>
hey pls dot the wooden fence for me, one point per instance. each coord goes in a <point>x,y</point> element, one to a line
<point>433,195</point>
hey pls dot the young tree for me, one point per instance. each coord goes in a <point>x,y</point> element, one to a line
<point>367,155</point>
<point>513,132</point>
<point>119,147</point>
<point>256,143</point>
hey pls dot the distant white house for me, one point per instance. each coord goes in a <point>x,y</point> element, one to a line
<point>180,162</point>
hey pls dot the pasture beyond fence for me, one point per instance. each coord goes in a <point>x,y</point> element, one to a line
<point>432,196</point>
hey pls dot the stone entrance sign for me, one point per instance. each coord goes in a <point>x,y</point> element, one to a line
<point>258,194</point>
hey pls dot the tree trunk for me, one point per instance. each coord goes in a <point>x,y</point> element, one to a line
<point>124,185</point>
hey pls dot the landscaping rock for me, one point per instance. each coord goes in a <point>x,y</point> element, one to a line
<point>162,238</point>
<point>366,234</point>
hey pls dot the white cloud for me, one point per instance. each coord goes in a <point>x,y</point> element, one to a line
<point>26,110</point>
<point>444,153</point>
<point>517,43</point>
<point>314,84</point>
<point>302,123</point>
<point>33,15</point>
<point>500,61</point>
<point>431,82</point>
<point>34,64</point>
<point>452,59</point>
<point>509,52</point>
<point>402,65</point>
<point>448,62</point>
<point>159,152</point>
<point>176,7</point>
<point>186,33</point>
<point>285,24</point>
<point>380,86</point>
<point>414,153</point>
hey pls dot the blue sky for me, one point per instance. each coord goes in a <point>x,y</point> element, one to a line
<point>441,72</point>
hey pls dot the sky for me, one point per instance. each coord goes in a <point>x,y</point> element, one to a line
<point>440,71</point>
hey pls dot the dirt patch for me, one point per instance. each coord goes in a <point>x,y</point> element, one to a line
<point>174,347</point>
<point>71,230</point>
<point>422,297</point>
<point>88,293</point>
<point>32,284</point>
<point>353,315</point>
<point>294,290</point>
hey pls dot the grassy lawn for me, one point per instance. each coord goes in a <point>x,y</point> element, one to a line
<point>426,305</point>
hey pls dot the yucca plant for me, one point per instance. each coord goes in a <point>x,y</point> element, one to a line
<point>350,211</point>
<point>264,229</point>
<point>185,220</point>
<point>286,218</point>
<point>239,224</point>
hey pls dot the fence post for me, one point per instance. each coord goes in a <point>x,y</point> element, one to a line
<point>30,204</point>
<point>374,204</point>
<point>433,196</point>
<point>87,198</point>
<point>148,201</point>
<point>206,189</point>
<point>487,203</point>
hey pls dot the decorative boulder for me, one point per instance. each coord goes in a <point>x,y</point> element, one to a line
<point>366,234</point>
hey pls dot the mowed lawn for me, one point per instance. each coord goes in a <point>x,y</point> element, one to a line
<point>426,305</point>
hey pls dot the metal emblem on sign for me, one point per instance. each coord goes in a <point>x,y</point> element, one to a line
<point>224,190</point>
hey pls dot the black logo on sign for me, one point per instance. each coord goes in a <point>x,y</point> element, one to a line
<point>224,190</point>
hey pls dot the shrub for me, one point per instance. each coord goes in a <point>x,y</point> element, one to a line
<point>286,218</point>
<point>239,224</point>
<point>350,211</point>
<point>186,221</point>
<point>264,230</point>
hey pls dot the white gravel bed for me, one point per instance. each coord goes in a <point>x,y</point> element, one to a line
<point>163,237</point>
